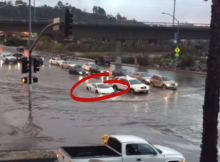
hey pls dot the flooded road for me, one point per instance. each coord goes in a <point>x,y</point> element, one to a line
<point>162,117</point>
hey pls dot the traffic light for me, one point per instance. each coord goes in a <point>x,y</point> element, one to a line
<point>24,80</point>
<point>68,23</point>
<point>36,65</point>
<point>25,65</point>
<point>35,79</point>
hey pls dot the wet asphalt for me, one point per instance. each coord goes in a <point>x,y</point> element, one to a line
<point>164,117</point>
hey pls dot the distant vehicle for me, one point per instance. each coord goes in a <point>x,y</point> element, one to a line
<point>8,57</point>
<point>97,69</point>
<point>120,72</point>
<point>88,65</point>
<point>77,70</point>
<point>39,58</point>
<point>100,88</point>
<point>120,148</point>
<point>144,77</point>
<point>18,56</point>
<point>67,64</point>
<point>56,61</point>
<point>163,82</point>
<point>103,60</point>
<point>135,85</point>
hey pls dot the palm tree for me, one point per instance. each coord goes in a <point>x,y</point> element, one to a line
<point>209,152</point>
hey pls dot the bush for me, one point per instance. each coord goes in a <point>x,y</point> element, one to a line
<point>186,61</point>
<point>165,61</point>
<point>127,60</point>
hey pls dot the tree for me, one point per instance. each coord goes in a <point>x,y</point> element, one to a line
<point>209,151</point>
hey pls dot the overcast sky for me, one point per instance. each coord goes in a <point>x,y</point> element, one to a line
<point>192,11</point>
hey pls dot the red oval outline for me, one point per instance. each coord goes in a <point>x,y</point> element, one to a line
<point>80,99</point>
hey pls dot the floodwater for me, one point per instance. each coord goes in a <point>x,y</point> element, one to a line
<point>162,117</point>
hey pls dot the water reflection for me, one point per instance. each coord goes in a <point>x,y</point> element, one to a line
<point>1,63</point>
<point>9,67</point>
<point>19,65</point>
<point>80,77</point>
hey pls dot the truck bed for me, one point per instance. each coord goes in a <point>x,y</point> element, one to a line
<point>89,151</point>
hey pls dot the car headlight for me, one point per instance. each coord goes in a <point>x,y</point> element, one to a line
<point>80,72</point>
<point>167,85</point>
<point>101,71</point>
<point>176,84</point>
<point>42,58</point>
<point>137,88</point>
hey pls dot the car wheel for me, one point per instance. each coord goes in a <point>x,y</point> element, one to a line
<point>115,88</point>
<point>87,88</point>
<point>61,66</point>
<point>151,84</point>
<point>96,91</point>
<point>6,61</point>
<point>132,91</point>
<point>164,86</point>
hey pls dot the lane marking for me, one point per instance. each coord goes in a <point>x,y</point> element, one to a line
<point>191,89</point>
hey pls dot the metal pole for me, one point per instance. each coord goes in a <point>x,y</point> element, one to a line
<point>34,9</point>
<point>174,9</point>
<point>178,31</point>
<point>33,45</point>
<point>30,59</point>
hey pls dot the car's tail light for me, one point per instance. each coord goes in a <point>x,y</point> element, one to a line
<point>57,153</point>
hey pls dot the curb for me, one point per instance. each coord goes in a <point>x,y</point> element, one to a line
<point>175,71</point>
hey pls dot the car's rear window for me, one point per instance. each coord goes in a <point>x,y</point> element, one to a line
<point>115,144</point>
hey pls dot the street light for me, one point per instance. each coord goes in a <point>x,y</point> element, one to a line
<point>177,22</point>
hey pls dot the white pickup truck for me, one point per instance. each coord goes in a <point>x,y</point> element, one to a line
<point>120,148</point>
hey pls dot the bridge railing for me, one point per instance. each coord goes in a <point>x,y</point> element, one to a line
<point>105,22</point>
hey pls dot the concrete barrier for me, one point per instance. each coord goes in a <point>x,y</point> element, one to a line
<point>173,70</point>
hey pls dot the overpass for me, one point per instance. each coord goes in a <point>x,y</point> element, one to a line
<point>119,30</point>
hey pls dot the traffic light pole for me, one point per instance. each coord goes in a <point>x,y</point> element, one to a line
<point>30,63</point>
<point>30,59</point>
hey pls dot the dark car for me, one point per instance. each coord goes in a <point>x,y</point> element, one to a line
<point>39,58</point>
<point>18,56</point>
<point>97,69</point>
<point>77,70</point>
<point>121,72</point>
<point>103,60</point>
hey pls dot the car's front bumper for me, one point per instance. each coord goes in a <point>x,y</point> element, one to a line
<point>141,90</point>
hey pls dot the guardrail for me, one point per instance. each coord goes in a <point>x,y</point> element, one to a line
<point>106,22</point>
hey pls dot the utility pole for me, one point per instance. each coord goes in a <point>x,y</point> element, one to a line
<point>34,9</point>
<point>30,58</point>
<point>174,10</point>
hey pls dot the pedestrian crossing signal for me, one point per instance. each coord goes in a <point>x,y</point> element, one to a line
<point>24,80</point>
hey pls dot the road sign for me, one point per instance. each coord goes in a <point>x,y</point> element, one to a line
<point>177,55</point>
<point>56,27</point>
<point>175,37</point>
<point>177,50</point>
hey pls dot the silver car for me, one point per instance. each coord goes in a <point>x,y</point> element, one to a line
<point>163,81</point>
<point>144,77</point>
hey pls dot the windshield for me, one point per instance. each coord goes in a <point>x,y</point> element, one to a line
<point>100,68</point>
<point>134,82</point>
<point>70,62</point>
<point>102,86</point>
<point>145,75</point>
<point>79,69</point>
<point>156,148</point>
<point>166,79</point>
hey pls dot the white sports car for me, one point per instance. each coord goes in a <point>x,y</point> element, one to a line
<point>100,88</point>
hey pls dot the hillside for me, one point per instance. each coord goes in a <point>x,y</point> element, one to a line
<point>20,9</point>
